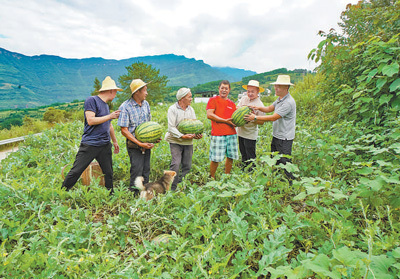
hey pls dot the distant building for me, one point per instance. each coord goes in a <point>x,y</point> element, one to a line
<point>204,96</point>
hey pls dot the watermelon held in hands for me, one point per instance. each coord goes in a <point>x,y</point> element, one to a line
<point>191,126</point>
<point>238,116</point>
<point>148,132</point>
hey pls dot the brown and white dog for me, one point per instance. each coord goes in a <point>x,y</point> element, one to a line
<point>161,186</point>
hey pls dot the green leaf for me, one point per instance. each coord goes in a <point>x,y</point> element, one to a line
<point>380,266</point>
<point>390,70</point>
<point>384,99</point>
<point>395,85</point>
<point>395,147</point>
<point>348,257</point>
<point>381,82</point>
<point>321,266</point>
<point>300,196</point>
<point>313,190</point>
<point>357,94</point>
<point>375,184</point>
<point>371,74</point>
<point>365,171</point>
<point>396,253</point>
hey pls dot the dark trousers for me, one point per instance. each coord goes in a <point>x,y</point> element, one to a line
<point>247,149</point>
<point>140,164</point>
<point>283,147</point>
<point>84,157</point>
<point>181,157</point>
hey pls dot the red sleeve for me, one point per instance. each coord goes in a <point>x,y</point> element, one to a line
<point>211,104</point>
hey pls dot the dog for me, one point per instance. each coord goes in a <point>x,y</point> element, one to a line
<point>161,186</point>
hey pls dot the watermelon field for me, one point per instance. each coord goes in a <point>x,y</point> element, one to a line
<point>340,219</point>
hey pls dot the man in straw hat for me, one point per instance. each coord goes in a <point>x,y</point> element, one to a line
<point>247,134</point>
<point>135,111</point>
<point>98,130</point>
<point>284,120</point>
<point>181,145</point>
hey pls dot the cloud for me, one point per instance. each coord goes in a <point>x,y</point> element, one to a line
<point>259,35</point>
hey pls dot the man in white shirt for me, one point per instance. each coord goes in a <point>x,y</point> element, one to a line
<point>181,145</point>
<point>247,134</point>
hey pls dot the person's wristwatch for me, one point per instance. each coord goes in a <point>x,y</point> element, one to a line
<point>255,118</point>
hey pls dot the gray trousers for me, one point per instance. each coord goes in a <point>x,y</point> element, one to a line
<point>181,157</point>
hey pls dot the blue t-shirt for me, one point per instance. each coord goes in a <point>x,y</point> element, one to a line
<point>96,135</point>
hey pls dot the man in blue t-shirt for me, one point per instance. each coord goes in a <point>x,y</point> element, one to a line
<point>98,130</point>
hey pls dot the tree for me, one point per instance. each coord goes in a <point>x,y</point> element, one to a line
<point>157,88</point>
<point>96,86</point>
<point>95,92</point>
<point>361,65</point>
<point>53,115</point>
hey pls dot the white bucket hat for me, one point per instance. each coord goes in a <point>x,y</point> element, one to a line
<point>182,93</point>
<point>136,84</point>
<point>283,80</point>
<point>254,83</point>
<point>109,84</point>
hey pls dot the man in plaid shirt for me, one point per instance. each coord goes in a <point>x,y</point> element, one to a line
<point>134,112</point>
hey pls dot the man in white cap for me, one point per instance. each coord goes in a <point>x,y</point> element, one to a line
<point>98,130</point>
<point>284,120</point>
<point>135,111</point>
<point>181,145</point>
<point>247,134</point>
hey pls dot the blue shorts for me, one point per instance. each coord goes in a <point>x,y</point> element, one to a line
<point>222,146</point>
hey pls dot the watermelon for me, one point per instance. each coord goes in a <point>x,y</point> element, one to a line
<point>162,238</point>
<point>148,132</point>
<point>190,126</point>
<point>238,116</point>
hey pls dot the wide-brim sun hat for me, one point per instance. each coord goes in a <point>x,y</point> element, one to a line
<point>254,83</point>
<point>109,84</point>
<point>283,80</point>
<point>136,84</point>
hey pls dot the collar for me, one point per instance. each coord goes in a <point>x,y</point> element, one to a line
<point>179,107</point>
<point>133,102</point>
<point>286,96</point>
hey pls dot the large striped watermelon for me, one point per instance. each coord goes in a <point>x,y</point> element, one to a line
<point>164,238</point>
<point>191,126</point>
<point>238,116</point>
<point>148,132</point>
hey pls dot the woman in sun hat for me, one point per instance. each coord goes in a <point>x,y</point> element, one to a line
<point>98,131</point>
<point>284,120</point>
<point>247,134</point>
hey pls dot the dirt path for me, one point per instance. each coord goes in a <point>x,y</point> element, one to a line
<point>4,153</point>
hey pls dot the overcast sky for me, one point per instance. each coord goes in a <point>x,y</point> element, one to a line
<point>258,35</point>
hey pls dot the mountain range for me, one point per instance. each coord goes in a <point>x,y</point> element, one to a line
<point>30,81</point>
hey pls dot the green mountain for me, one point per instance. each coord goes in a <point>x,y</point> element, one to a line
<point>30,81</point>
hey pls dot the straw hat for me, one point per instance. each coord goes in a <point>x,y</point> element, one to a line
<point>109,84</point>
<point>283,80</point>
<point>254,83</point>
<point>136,84</point>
